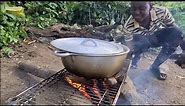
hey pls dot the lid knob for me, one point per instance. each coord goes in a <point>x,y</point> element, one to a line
<point>84,42</point>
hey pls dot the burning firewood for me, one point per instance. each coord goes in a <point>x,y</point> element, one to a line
<point>95,89</point>
<point>77,83</point>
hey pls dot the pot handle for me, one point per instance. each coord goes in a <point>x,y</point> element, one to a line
<point>62,53</point>
<point>88,40</point>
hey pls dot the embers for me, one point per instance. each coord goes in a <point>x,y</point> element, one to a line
<point>78,83</point>
<point>96,90</point>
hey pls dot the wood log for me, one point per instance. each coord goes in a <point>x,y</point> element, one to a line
<point>61,30</point>
<point>106,28</point>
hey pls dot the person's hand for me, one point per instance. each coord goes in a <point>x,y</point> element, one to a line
<point>119,39</point>
<point>119,19</point>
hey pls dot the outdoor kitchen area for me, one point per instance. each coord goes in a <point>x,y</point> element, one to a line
<point>92,53</point>
<point>86,77</point>
<point>70,86</point>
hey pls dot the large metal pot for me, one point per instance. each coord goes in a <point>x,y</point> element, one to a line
<point>91,58</point>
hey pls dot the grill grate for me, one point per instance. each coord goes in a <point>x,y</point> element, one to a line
<point>55,90</point>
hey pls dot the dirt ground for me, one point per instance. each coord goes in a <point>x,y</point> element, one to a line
<point>144,88</point>
<point>40,55</point>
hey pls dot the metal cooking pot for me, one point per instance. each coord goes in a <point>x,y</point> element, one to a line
<point>91,58</point>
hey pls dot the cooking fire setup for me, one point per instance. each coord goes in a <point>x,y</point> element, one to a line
<point>89,66</point>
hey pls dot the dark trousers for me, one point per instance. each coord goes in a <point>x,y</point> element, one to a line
<point>169,38</point>
<point>182,45</point>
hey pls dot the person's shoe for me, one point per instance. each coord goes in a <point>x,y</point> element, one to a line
<point>157,72</point>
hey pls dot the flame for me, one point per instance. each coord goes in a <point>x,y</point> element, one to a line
<point>78,86</point>
<point>95,89</point>
<point>82,88</point>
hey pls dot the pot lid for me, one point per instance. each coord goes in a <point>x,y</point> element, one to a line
<point>87,46</point>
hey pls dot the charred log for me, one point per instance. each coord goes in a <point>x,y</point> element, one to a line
<point>62,31</point>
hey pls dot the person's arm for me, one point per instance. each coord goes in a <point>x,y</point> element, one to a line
<point>124,31</point>
<point>122,35</point>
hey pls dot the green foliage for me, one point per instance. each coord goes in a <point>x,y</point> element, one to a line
<point>11,27</point>
<point>101,12</point>
<point>173,6</point>
<point>41,14</point>
<point>180,20</point>
<point>46,13</point>
<point>177,9</point>
<point>6,51</point>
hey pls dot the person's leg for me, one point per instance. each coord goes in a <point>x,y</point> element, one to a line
<point>140,45</point>
<point>135,60</point>
<point>170,39</point>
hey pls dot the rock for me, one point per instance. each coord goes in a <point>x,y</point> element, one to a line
<point>112,81</point>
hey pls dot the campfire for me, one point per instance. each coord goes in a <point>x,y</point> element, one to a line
<point>86,87</point>
<point>77,85</point>
<point>97,91</point>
